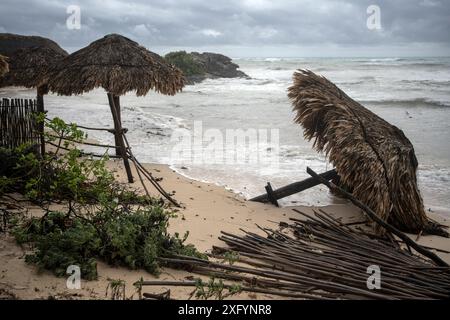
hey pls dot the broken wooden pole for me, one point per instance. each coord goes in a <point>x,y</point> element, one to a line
<point>374,217</point>
<point>270,195</point>
<point>295,187</point>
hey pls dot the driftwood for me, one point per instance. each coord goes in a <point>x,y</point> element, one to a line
<point>295,187</point>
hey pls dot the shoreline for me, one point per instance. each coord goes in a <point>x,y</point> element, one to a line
<point>209,209</point>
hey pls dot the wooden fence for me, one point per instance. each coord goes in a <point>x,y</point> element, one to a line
<point>17,123</point>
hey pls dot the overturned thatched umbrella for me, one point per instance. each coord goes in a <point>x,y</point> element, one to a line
<point>373,158</point>
<point>28,67</point>
<point>118,65</point>
<point>4,68</point>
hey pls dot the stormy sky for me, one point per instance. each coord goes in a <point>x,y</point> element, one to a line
<point>245,28</point>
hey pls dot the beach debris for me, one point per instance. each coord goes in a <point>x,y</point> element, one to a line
<point>375,161</point>
<point>118,65</point>
<point>320,257</point>
<point>292,188</point>
<point>373,216</point>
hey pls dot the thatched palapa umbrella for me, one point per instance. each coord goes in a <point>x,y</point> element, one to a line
<point>373,158</point>
<point>4,68</point>
<point>28,67</point>
<point>118,65</point>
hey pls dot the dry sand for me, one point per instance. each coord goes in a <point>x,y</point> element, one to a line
<point>209,209</point>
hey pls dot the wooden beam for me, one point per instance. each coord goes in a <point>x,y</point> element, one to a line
<point>295,187</point>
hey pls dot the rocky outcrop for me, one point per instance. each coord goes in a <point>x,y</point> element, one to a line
<point>217,65</point>
<point>200,66</point>
<point>9,43</point>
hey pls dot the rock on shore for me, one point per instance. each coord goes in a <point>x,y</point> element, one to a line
<point>207,65</point>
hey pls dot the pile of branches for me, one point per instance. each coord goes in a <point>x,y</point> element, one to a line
<point>323,258</point>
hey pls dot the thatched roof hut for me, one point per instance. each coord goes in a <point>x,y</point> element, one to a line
<point>4,68</point>
<point>28,67</point>
<point>373,158</point>
<point>118,65</point>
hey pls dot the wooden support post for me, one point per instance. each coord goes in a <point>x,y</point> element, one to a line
<point>116,102</point>
<point>41,109</point>
<point>270,194</point>
<point>295,187</point>
<point>118,134</point>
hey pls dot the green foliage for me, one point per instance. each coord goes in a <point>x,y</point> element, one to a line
<point>185,62</point>
<point>62,174</point>
<point>214,289</point>
<point>231,257</point>
<point>60,242</point>
<point>117,287</point>
<point>105,220</point>
<point>135,238</point>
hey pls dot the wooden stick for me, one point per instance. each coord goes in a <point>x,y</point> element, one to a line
<point>372,215</point>
<point>86,153</point>
<point>295,187</point>
<point>243,288</point>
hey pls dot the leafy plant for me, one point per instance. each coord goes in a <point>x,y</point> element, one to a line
<point>214,289</point>
<point>185,62</point>
<point>115,233</point>
<point>231,257</point>
<point>117,287</point>
<point>105,219</point>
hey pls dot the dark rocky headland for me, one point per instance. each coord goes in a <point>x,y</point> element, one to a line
<point>201,66</point>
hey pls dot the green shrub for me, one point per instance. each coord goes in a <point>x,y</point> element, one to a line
<point>135,238</point>
<point>185,62</point>
<point>105,219</point>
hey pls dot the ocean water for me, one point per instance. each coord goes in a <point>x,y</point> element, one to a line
<point>413,94</point>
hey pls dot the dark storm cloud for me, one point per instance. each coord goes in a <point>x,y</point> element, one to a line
<point>241,24</point>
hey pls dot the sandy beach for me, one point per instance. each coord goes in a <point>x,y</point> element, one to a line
<point>208,210</point>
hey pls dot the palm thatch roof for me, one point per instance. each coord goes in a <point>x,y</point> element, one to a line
<point>10,43</point>
<point>118,65</point>
<point>28,66</point>
<point>4,68</point>
<point>373,158</point>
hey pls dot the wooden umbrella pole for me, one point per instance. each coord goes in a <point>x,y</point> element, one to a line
<point>41,109</point>
<point>116,101</point>
<point>378,220</point>
<point>118,133</point>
